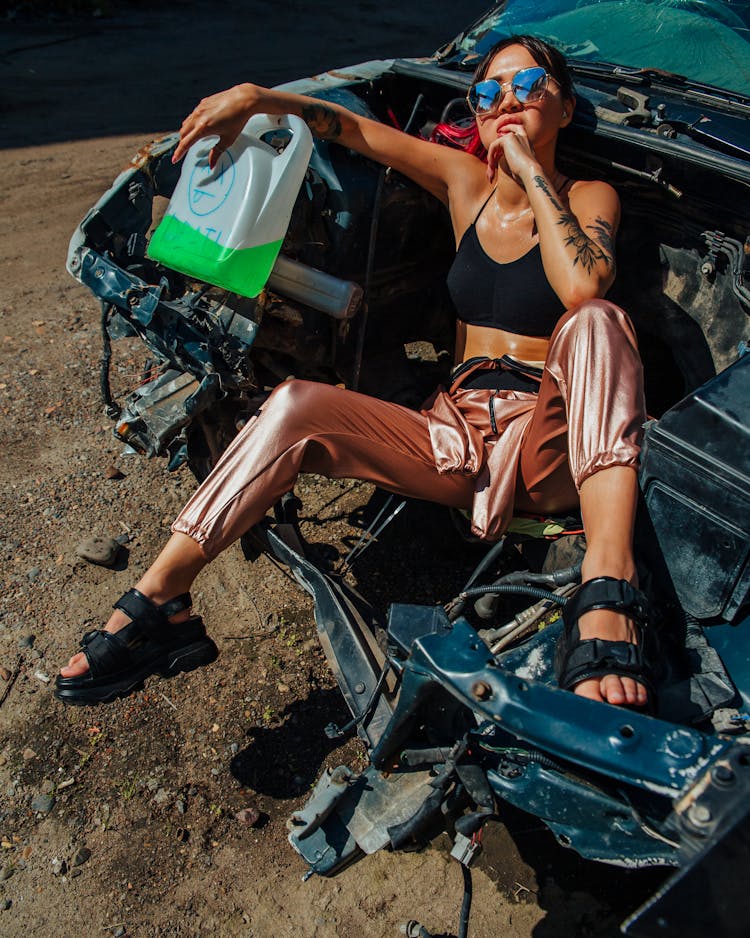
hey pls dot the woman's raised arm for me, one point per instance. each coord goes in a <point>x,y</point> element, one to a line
<point>577,241</point>
<point>224,114</point>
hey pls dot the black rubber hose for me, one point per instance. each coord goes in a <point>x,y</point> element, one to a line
<point>534,591</point>
<point>463,921</point>
<point>401,834</point>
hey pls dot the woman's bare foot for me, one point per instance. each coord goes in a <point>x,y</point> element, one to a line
<point>79,665</point>
<point>171,574</point>
<point>608,504</point>
<point>621,691</point>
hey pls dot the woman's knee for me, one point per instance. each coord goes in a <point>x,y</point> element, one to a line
<point>294,402</point>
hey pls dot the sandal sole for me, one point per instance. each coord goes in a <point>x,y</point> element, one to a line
<point>181,660</point>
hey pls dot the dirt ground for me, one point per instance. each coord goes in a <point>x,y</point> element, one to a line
<point>138,818</point>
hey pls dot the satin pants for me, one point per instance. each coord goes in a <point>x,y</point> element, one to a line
<point>587,416</point>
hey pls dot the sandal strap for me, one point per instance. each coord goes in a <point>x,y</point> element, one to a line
<point>105,652</point>
<point>606,592</point>
<point>109,653</point>
<point>146,613</point>
<point>597,657</point>
<point>578,659</point>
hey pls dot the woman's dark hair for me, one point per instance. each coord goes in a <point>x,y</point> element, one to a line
<point>543,54</point>
<point>467,136</point>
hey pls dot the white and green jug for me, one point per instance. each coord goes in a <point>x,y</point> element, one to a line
<point>225,225</point>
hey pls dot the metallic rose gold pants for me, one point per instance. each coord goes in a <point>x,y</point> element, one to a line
<point>533,452</point>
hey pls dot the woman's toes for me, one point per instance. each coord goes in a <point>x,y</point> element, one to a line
<point>623,691</point>
<point>589,689</point>
<point>614,690</point>
<point>76,666</point>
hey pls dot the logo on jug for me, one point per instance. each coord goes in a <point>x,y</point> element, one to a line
<point>209,188</point>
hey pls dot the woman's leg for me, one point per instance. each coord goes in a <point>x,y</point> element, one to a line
<point>302,427</point>
<point>584,438</point>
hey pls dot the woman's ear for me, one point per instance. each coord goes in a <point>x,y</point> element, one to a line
<point>568,107</point>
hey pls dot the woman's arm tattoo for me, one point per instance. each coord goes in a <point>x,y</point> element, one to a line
<point>541,183</point>
<point>322,120</point>
<point>589,250</point>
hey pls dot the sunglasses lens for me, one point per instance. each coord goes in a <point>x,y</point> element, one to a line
<point>530,84</point>
<point>483,96</point>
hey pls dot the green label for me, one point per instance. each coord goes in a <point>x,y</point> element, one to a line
<point>244,270</point>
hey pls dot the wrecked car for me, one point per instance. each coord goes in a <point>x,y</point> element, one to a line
<point>456,701</point>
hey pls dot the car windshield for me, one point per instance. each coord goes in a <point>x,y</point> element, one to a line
<point>707,41</point>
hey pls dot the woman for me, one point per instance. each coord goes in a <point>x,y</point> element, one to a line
<point>534,252</point>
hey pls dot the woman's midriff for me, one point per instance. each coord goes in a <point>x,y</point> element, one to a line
<point>475,341</point>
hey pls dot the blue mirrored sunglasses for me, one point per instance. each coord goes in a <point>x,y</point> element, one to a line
<point>527,86</point>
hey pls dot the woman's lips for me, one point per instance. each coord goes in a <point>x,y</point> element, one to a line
<point>505,122</point>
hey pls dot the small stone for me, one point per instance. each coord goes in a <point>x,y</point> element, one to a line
<point>59,867</point>
<point>161,797</point>
<point>41,676</point>
<point>33,573</point>
<point>234,748</point>
<point>81,855</point>
<point>4,673</point>
<point>112,472</point>
<point>5,904</point>
<point>180,805</point>
<point>26,641</point>
<point>6,872</point>
<point>282,688</point>
<point>28,754</point>
<point>152,784</point>
<point>248,816</point>
<point>99,550</point>
<point>43,803</point>
<point>214,771</point>
<point>119,932</point>
<point>36,654</point>
<point>48,786</point>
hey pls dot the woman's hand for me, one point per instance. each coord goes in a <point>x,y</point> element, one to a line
<point>511,147</point>
<point>222,115</point>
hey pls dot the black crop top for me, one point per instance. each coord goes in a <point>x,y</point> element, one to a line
<point>515,297</point>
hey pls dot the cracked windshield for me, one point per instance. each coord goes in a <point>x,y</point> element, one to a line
<point>707,41</point>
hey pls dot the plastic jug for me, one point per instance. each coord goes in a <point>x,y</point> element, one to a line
<point>225,225</point>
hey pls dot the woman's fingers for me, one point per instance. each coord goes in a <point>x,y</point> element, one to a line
<point>222,115</point>
<point>494,155</point>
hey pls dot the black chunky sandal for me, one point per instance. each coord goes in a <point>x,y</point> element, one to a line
<point>578,659</point>
<point>149,644</point>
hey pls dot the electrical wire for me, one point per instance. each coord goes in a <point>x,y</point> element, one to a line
<point>514,588</point>
<point>463,921</point>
